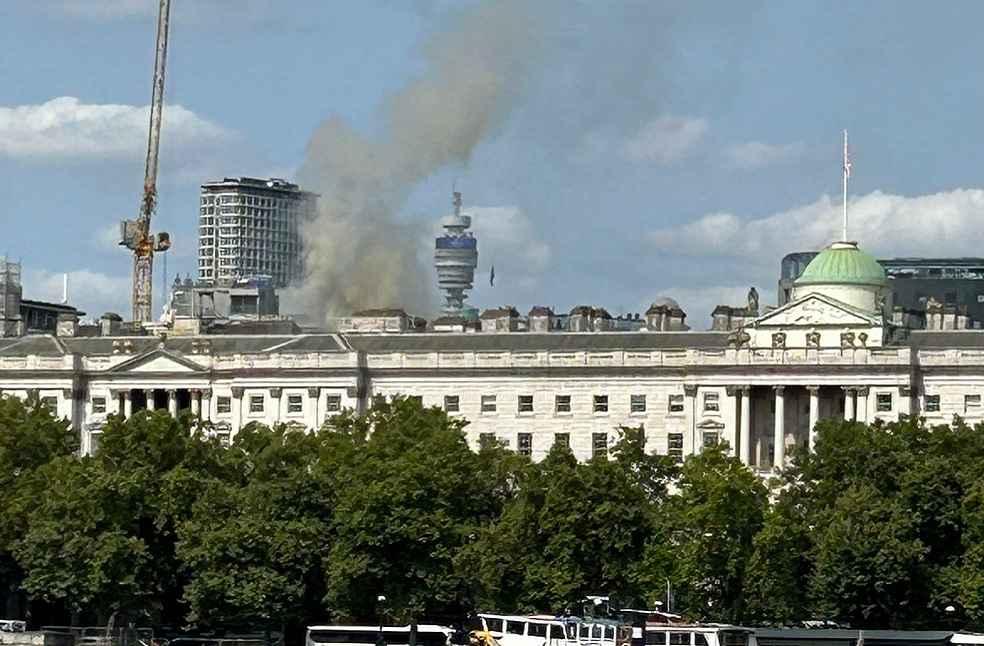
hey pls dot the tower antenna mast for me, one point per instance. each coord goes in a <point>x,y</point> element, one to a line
<point>135,234</point>
<point>847,175</point>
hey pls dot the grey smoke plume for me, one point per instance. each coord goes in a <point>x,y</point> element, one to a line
<point>359,253</point>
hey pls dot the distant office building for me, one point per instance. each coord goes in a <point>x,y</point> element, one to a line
<point>251,227</point>
<point>956,283</point>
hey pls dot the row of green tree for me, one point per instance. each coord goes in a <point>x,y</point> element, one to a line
<point>882,525</point>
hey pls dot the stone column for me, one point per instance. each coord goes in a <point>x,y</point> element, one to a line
<point>172,402</point>
<point>745,425</point>
<point>690,391</point>
<point>150,399</point>
<point>275,394</point>
<point>905,400</point>
<point>68,405</point>
<point>862,407</point>
<point>814,413</point>
<point>196,403</point>
<point>237,408</point>
<point>127,404</point>
<point>314,399</point>
<point>779,437</point>
<point>206,404</point>
<point>848,403</point>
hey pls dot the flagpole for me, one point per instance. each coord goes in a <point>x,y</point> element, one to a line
<point>847,173</point>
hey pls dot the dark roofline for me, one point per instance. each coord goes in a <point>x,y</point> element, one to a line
<point>54,306</point>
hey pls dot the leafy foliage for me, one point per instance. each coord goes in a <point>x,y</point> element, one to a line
<point>881,526</point>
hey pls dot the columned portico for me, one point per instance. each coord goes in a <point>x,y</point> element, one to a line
<point>814,413</point>
<point>779,437</point>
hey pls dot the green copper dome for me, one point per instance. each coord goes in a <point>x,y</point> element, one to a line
<point>843,263</point>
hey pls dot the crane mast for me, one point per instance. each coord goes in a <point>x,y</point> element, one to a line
<point>135,234</point>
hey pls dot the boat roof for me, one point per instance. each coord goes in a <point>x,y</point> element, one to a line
<point>420,627</point>
<point>550,618</point>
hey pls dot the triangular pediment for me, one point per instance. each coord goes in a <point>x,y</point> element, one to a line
<point>158,360</point>
<point>817,310</point>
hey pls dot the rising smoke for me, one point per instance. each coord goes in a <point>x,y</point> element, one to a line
<point>359,253</point>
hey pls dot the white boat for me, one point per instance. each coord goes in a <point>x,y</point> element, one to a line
<point>546,630</point>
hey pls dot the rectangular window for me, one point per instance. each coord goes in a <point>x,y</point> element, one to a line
<point>256,403</point>
<point>295,404</point>
<point>98,404</point>
<point>676,403</point>
<point>932,403</point>
<point>526,403</point>
<point>223,405</point>
<point>883,402</point>
<point>486,440</point>
<point>524,444</point>
<point>679,639</point>
<point>601,403</point>
<point>515,627</point>
<point>333,403</point>
<point>564,439</point>
<point>562,404</point>
<point>95,439</point>
<point>637,403</point>
<point>700,639</point>
<point>51,403</point>
<point>451,403</point>
<point>675,446</point>
<point>599,445</point>
<point>488,404</point>
<point>536,630</point>
<point>711,438</point>
<point>712,403</point>
<point>224,438</point>
<point>972,403</point>
<point>655,638</point>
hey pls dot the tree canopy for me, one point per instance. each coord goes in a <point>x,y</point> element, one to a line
<point>881,526</point>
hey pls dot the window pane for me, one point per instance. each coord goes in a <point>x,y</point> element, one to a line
<point>562,404</point>
<point>536,630</point>
<point>451,403</point>
<point>599,444</point>
<point>675,446</point>
<point>488,403</point>
<point>711,402</point>
<point>295,404</point>
<point>333,403</point>
<point>514,627</point>
<point>676,403</point>
<point>700,639</point>
<point>526,403</point>
<point>601,403</point>
<point>932,403</point>
<point>256,404</point>
<point>679,639</point>
<point>224,405</point>
<point>638,403</point>
<point>883,402</point>
<point>563,439</point>
<point>655,637</point>
<point>524,444</point>
<point>98,404</point>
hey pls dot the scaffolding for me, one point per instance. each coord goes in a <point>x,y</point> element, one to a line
<point>10,291</point>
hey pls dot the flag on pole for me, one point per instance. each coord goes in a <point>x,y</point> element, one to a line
<point>492,277</point>
<point>847,158</point>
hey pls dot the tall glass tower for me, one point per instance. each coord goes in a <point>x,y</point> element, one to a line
<point>455,257</point>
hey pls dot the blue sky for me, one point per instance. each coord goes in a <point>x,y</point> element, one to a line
<point>643,148</point>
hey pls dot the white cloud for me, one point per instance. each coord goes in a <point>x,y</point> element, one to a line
<point>665,139</point>
<point>91,291</point>
<point>66,128</point>
<point>756,154</point>
<point>940,224</point>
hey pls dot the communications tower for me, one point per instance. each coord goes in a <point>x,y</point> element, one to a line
<point>456,257</point>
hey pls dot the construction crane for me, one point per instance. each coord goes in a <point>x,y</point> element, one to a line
<point>135,234</point>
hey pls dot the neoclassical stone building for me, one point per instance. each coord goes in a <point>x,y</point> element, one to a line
<point>830,352</point>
